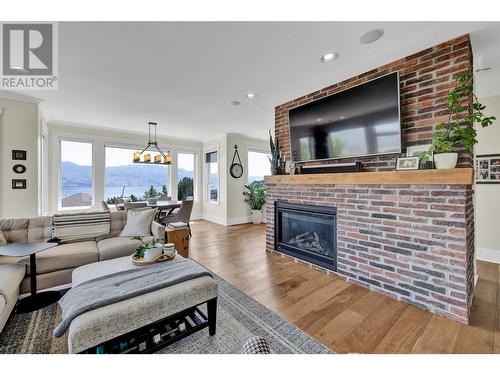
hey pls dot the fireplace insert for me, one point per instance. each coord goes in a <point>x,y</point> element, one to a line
<point>307,232</point>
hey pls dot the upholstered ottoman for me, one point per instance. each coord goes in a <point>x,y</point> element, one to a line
<point>108,322</point>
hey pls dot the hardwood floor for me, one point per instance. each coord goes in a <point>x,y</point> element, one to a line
<point>345,317</point>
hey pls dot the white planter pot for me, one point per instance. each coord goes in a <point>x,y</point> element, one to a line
<point>256,216</point>
<point>446,161</point>
<point>152,253</point>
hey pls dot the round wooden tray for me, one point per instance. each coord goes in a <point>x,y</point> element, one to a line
<point>161,258</point>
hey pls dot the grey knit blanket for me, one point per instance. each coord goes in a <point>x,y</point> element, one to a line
<point>120,286</point>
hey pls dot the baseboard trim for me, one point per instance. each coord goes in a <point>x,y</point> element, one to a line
<point>215,219</point>
<point>239,220</point>
<point>488,255</point>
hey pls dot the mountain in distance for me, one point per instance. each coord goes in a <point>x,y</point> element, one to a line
<point>75,175</point>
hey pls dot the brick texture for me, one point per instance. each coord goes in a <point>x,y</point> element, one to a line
<point>425,79</point>
<point>414,243</point>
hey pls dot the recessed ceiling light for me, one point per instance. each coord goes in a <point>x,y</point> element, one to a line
<point>329,57</point>
<point>235,102</point>
<point>251,95</point>
<point>342,117</point>
<point>371,36</point>
<point>319,119</point>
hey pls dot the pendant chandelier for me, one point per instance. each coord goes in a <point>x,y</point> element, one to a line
<point>152,146</point>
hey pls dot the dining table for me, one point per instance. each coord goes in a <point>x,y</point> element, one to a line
<point>163,206</point>
<point>166,206</point>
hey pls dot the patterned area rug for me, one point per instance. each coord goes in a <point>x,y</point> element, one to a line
<point>239,317</point>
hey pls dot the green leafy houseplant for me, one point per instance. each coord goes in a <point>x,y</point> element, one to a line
<point>459,129</point>
<point>141,249</point>
<point>255,196</point>
<point>275,154</point>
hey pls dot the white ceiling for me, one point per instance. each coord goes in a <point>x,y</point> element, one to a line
<point>184,75</point>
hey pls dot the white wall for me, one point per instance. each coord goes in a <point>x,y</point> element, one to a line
<point>238,211</point>
<point>488,196</point>
<point>101,137</point>
<point>19,131</point>
<point>231,209</point>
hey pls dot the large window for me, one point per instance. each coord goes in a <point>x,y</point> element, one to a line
<point>258,166</point>
<point>185,175</point>
<point>137,181</point>
<point>76,174</point>
<point>212,165</point>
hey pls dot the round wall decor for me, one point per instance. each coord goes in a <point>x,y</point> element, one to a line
<point>19,168</point>
<point>236,169</point>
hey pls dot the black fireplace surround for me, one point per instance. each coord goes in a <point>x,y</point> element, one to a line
<point>307,232</point>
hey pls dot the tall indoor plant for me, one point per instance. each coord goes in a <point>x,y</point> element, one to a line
<point>274,159</point>
<point>459,129</point>
<point>255,196</point>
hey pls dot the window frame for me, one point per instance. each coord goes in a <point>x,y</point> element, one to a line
<point>61,139</point>
<point>133,148</point>
<point>255,150</point>
<point>206,168</point>
<point>195,171</point>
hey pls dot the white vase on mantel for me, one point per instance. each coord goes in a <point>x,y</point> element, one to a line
<point>447,160</point>
<point>256,216</point>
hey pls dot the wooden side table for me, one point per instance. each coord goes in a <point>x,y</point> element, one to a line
<point>180,239</point>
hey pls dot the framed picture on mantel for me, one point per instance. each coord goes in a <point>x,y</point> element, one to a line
<point>488,169</point>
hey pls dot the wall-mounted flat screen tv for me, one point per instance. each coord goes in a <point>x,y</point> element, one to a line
<point>360,121</point>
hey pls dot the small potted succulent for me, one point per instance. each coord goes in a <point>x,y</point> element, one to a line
<point>255,196</point>
<point>459,130</point>
<point>148,251</point>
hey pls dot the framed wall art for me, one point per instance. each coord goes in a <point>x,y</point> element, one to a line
<point>487,169</point>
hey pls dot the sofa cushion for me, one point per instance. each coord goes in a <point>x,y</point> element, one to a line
<point>40,229</point>
<point>117,247</point>
<point>11,276</point>
<point>3,241</point>
<point>64,256</point>
<point>15,230</point>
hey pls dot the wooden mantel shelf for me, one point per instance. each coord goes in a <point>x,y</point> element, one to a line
<point>457,176</point>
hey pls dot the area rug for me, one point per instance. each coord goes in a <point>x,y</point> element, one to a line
<point>239,317</point>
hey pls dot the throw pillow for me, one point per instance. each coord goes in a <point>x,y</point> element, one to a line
<point>138,223</point>
<point>3,241</point>
<point>256,345</point>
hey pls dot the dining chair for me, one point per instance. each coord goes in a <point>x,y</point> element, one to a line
<point>134,205</point>
<point>184,214</point>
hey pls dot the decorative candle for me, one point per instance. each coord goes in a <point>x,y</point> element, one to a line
<point>137,156</point>
<point>147,158</point>
<point>168,158</point>
<point>157,158</point>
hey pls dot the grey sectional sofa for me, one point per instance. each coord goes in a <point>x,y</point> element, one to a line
<point>54,266</point>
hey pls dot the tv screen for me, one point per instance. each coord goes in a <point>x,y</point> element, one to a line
<point>360,121</point>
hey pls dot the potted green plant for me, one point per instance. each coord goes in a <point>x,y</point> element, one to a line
<point>459,129</point>
<point>275,154</point>
<point>255,196</point>
<point>148,251</point>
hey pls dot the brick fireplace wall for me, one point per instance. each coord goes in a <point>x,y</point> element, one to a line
<point>425,79</point>
<point>414,243</point>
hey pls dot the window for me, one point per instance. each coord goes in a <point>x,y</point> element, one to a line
<point>212,163</point>
<point>185,175</point>
<point>137,181</point>
<point>258,166</point>
<point>76,174</point>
